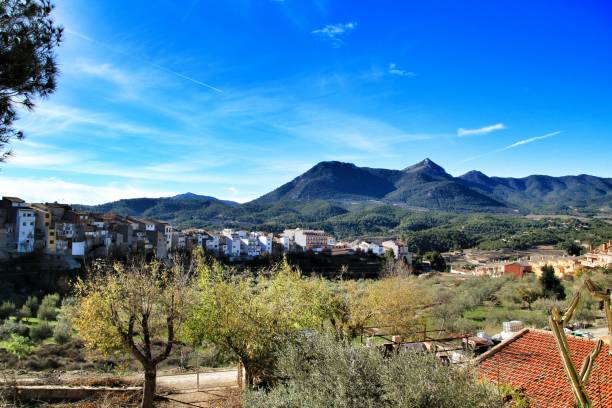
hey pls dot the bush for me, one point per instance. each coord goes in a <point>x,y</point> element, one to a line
<point>320,372</point>
<point>19,345</point>
<point>51,300</point>
<point>41,332</point>
<point>6,309</point>
<point>48,307</point>
<point>62,333</point>
<point>47,312</point>
<point>32,303</point>
<point>9,328</point>
<point>23,312</point>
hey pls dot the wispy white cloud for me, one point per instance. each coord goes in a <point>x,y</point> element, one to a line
<point>348,132</point>
<point>52,118</point>
<point>531,140</point>
<point>145,61</point>
<point>394,70</point>
<point>333,32</point>
<point>461,132</point>
<point>516,144</point>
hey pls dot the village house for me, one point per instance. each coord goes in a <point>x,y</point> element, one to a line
<point>530,361</point>
<point>400,251</point>
<point>305,240</point>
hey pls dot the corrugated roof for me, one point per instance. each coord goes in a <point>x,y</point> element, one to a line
<point>530,360</point>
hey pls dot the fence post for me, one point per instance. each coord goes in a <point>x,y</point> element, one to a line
<point>197,369</point>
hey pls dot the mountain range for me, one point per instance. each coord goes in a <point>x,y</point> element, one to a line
<point>427,185</point>
<point>333,188</point>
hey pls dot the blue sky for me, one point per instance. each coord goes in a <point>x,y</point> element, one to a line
<point>233,98</point>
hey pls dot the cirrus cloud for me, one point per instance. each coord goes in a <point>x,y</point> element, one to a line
<point>461,132</point>
<point>333,32</point>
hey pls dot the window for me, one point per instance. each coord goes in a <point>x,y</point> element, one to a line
<point>25,223</point>
<point>51,242</point>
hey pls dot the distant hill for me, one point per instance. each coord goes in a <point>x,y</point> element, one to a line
<point>429,186</point>
<point>544,193</point>
<point>350,200</point>
<point>193,196</point>
<point>424,184</point>
<point>165,208</point>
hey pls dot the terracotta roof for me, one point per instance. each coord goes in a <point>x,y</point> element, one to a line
<point>530,360</point>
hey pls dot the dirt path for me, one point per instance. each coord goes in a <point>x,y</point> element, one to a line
<point>183,391</point>
<point>187,382</point>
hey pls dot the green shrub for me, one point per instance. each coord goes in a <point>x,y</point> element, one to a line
<point>23,312</point>
<point>48,307</point>
<point>47,312</point>
<point>320,372</point>
<point>32,303</point>
<point>51,300</point>
<point>62,333</point>
<point>18,345</point>
<point>41,332</point>
<point>6,309</point>
<point>9,328</point>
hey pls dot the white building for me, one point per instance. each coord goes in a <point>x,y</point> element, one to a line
<point>213,244</point>
<point>372,247</point>
<point>266,242</point>
<point>24,229</point>
<point>399,250</point>
<point>307,240</point>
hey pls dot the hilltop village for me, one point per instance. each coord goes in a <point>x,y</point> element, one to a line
<point>61,230</point>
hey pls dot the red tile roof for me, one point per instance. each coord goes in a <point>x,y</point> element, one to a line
<point>531,360</point>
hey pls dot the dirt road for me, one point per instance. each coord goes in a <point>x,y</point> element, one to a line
<point>188,382</point>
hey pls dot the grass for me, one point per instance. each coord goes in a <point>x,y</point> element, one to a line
<point>490,318</point>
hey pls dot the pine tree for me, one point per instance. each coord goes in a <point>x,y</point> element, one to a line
<point>28,38</point>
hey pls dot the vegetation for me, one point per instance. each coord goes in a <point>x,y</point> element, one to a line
<point>551,285</point>
<point>136,309</point>
<point>28,38</point>
<point>249,315</point>
<point>288,330</point>
<point>318,371</point>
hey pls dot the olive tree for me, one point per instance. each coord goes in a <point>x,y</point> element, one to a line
<point>137,308</point>
<point>317,371</point>
<point>249,314</point>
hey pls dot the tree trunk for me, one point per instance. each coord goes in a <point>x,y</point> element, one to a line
<point>249,377</point>
<point>148,390</point>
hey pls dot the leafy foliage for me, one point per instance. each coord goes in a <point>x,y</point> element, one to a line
<point>7,308</point>
<point>137,309</point>
<point>28,38</point>
<point>551,285</point>
<point>250,315</point>
<point>317,371</point>
<point>41,332</point>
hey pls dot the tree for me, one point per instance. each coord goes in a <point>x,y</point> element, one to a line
<point>437,261</point>
<point>28,38</point>
<point>136,308</point>
<point>394,267</point>
<point>573,249</point>
<point>551,285</point>
<point>251,315</point>
<point>393,304</point>
<point>318,372</point>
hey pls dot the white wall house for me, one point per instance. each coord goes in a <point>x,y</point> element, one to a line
<point>24,229</point>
